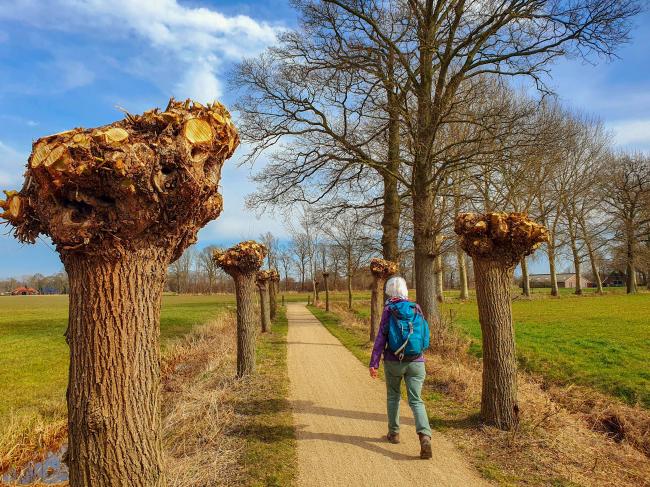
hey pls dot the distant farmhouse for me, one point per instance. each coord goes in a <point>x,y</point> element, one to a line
<point>567,280</point>
<point>24,291</point>
<point>618,278</point>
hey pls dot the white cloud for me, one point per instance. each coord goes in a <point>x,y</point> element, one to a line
<point>631,132</point>
<point>200,83</point>
<point>191,41</point>
<point>12,166</point>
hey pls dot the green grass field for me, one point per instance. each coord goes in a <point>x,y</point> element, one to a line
<point>34,358</point>
<point>598,341</point>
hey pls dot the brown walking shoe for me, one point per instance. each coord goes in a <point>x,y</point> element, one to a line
<point>393,438</point>
<point>425,446</point>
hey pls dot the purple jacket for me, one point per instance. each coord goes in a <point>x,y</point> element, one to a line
<point>380,341</point>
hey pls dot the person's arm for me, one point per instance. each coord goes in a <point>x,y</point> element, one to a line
<point>380,343</point>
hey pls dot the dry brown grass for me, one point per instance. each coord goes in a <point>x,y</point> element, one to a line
<point>220,430</point>
<point>197,405</point>
<point>551,444</point>
<point>30,438</point>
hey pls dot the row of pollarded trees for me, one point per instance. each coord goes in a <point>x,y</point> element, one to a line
<point>496,242</point>
<point>121,203</point>
<point>243,263</point>
<point>390,106</point>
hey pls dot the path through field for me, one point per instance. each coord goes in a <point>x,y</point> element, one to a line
<point>339,412</point>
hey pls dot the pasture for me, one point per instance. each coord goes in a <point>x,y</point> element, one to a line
<point>597,341</point>
<point>34,357</point>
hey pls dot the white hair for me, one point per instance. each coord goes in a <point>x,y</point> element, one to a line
<point>396,288</point>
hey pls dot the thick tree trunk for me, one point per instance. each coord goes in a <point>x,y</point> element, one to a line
<point>114,378</point>
<point>440,288</point>
<point>246,323</point>
<point>392,204</point>
<point>349,291</point>
<point>630,281</point>
<point>499,395</point>
<point>327,293</point>
<point>577,266</point>
<point>424,231</point>
<point>273,298</point>
<point>462,274</point>
<point>573,238</point>
<point>552,270</point>
<point>525,278</point>
<point>376,308</point>
<point>425,285</point>
<point>265,308</point>
<point>594,268</point>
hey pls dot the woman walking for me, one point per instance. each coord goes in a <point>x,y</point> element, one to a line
<point>403,337</point>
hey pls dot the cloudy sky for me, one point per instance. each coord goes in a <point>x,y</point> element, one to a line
<point>69,63</point>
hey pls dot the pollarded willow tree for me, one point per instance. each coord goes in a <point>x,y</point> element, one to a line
<point>381,270</point>
<point>263,280</point>
<point>242,262</point>
<point>121,202</point>
<point>497,242</point>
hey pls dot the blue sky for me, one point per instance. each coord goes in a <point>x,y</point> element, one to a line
<point>67,63</point>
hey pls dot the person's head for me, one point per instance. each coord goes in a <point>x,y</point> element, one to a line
<point>396,288</point>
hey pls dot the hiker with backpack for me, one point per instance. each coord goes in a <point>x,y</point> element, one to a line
<point>402,338</point>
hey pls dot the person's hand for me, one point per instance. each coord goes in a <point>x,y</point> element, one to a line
<point>373,372</point>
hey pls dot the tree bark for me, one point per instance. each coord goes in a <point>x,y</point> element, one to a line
<point>499,395</point>
<point>440,288</point>
<point>349,291</point>
<point>113,331</point>
<point>273,298</point>
<point>376,308</point>
<point>594,267</point>
<point>462,274</point>
<point>575,252</point>
<point>327,293</point>
<point>552,269</point>
<point>424,232</point>
<point>265,308</point>
<point>630,281</point>
<point>392,204</point>
<point>577,266</point>
<point>525,278</point>
<point>246,322</point>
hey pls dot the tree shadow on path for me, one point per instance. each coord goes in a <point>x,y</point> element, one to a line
<point>309,407</point>
<point>367,443</point>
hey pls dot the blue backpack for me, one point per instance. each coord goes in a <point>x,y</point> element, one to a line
<point>408,331</point>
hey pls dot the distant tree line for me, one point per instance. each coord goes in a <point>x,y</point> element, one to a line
<point>53,284</point>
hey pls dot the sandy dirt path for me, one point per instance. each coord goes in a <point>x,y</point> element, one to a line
<point>340,418</point>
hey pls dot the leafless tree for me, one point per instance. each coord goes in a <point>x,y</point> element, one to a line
<point>207,264</point>
<point>626,186</point>
<point>346,234</point>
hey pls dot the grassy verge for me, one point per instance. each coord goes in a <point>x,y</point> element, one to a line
<point>270,451</point>
<point>601,342</point>
<point>224,431</point>
<point>351,336</point>
<point>553,446</point>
